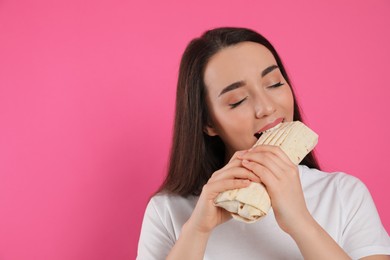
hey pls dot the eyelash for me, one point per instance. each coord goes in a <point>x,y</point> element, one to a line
<point>237,103</point>
<point>234,105</point>
<point>279,84</point>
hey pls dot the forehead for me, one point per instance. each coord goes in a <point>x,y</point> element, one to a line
<point>237,62</point>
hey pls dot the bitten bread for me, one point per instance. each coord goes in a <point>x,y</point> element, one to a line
<point>253,202</point>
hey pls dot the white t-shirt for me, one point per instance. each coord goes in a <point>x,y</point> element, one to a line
<point>340,203</point>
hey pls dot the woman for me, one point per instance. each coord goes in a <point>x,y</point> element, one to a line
<point>231,85</point>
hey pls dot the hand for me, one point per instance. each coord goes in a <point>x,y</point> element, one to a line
<point>206,216</point>
<point>281,178</point>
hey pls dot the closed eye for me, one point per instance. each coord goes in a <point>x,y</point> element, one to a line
<point>237,103</point>
<point>279,84</point>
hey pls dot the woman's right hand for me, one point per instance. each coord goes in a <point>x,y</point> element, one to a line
<point>206,216</point>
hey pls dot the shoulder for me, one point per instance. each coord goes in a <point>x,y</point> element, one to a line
<point>339,181</point>
<point>165,200</point>
<point>342,204</point>
<point>336,189</point>
<point>170,207</point>
<point>163,219</point>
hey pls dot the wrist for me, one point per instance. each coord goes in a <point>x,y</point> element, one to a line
<point>191,228</point>
<point>305,226</point>
<point>190,245</point>
<point>315,243</point>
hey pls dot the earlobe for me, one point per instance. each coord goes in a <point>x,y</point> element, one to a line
<point>210,131</point>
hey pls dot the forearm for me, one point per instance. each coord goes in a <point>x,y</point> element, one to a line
<point>315,243</point>
<point>191,245</point>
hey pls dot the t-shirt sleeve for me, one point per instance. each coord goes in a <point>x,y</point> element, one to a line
<point>363,233</point>
<point>155,240</point>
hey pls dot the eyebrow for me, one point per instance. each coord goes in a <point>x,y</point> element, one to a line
<point>268,70</point>
<point>241,83</point>
<point>231,87</point>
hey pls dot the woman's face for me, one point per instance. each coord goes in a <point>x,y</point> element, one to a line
<point>246,94</point>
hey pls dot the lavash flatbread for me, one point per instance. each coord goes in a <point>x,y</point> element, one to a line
<point>253,202</point>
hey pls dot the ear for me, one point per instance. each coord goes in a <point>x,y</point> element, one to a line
<point>210,130</point>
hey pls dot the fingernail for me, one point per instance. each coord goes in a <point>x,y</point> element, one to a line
<point>241,153</point>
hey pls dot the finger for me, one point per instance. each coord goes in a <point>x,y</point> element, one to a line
<point>284,161</point>
<point>236,173</point>
<point>233,162</point>
<point>211,190</point>
<point>270,161</point>
<point>238,155</point>
<point>273,149</point>
<point>282,168</point>
<point>265,175</point>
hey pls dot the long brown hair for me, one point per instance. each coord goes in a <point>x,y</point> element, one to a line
<point>194,155</point>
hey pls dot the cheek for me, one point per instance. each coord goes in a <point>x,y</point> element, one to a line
<point>287,101</point>
<point>223,121</point>
<point>231,122</point>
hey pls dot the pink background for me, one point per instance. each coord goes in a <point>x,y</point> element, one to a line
<point>87,99</point>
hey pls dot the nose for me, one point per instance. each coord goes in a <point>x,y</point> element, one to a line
<point>264,106</point>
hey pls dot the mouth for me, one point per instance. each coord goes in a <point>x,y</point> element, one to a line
<point>257,135</point>
<point>267,127</point>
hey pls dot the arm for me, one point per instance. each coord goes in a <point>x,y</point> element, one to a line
<point>189,241</point>
<point>315,243</point>
<point>363,235</point>
<point>281,177</point>
<point>206,216</point>
<point>376,257</point>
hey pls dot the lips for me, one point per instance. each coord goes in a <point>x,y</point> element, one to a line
<point>269,126</point>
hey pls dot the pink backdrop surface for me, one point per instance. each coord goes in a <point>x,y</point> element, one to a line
<point>87,99</point>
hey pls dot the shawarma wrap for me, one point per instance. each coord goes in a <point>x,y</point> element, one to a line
<point>253,202</point>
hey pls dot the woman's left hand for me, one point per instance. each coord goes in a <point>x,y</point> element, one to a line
<point>281,178</point>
